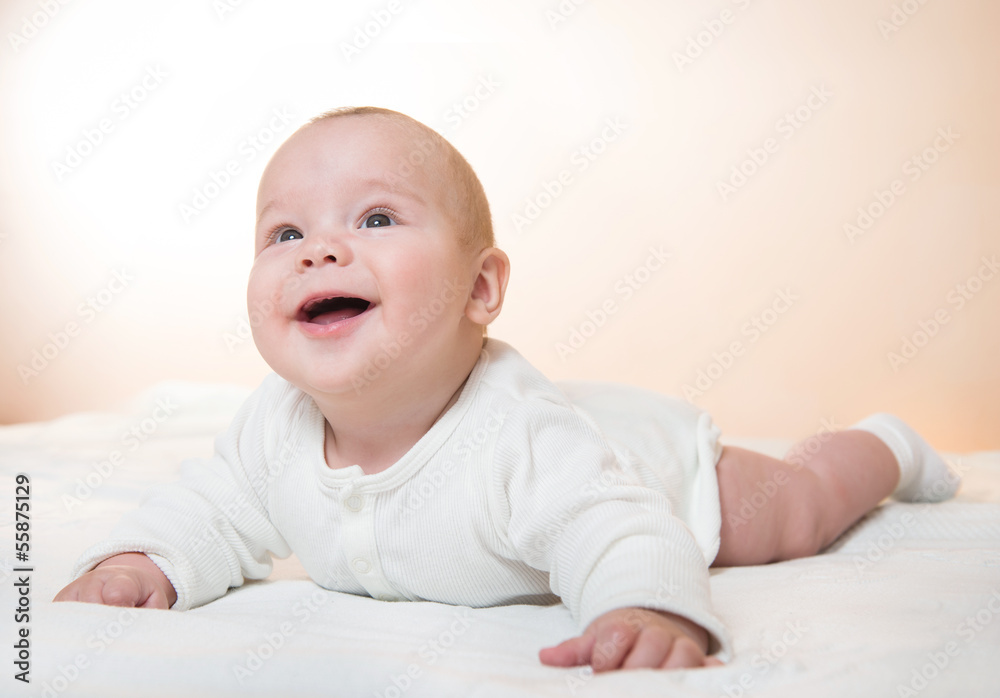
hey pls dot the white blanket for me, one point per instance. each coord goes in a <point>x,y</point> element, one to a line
<point>906,603</point>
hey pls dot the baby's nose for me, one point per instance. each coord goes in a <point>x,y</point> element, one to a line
<point>323,250</point>
<point>310,260</point>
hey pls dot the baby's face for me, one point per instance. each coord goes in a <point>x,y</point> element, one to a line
<point>356,268</point>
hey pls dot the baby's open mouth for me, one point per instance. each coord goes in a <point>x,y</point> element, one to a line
<point>326,311</point>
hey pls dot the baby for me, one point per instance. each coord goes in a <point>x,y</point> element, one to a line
<point>402,454</point>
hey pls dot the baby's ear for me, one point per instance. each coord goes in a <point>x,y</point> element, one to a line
<point>489,287</point>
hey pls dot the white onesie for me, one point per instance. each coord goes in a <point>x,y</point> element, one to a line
<point>513,495</point>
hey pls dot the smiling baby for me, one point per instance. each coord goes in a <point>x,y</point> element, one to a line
<point>402,454</point>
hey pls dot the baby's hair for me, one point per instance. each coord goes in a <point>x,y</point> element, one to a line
<point>468,208</point>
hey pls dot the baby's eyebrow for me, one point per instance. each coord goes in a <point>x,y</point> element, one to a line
<point>394,187</point>
<point>367,185</point>
<point>269,205</point>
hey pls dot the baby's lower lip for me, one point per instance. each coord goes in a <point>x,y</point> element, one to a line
<point>338,328</point>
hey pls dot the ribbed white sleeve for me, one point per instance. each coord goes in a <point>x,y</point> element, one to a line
<point>210,530</point>
<point>606,541</point>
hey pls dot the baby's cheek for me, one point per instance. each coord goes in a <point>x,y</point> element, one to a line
<point>264,309</point>
<point>265,291</point>
<point>254,284</point>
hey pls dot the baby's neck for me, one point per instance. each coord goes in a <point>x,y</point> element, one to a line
<point>375,431</point>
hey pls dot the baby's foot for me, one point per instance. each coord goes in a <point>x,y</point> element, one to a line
<point>924,475</point>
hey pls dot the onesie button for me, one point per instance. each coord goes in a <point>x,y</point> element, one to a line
<point>354,503</point>
<point>361,565</point>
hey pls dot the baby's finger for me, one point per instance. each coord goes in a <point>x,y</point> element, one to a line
<point>651,650</point>
<point>86,589</point>
<point>71,592</point>
<point>121,590</point>
<point>611,645</point>
<point>684,653</point>
<point>573,652</point>
<point>156,599</point>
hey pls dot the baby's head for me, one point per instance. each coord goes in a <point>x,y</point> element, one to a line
<point>461,192</point>
<point>374,255</point>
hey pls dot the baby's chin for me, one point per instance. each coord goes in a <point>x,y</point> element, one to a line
<point>326,385</point>
<point>340,383</point>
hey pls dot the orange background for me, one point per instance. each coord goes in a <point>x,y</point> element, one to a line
<point>824,106</point>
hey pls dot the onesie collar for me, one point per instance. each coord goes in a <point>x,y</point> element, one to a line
<point>354,478</point>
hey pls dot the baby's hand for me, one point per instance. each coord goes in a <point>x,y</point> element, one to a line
<point>634,638</point>
<point>129,579</point>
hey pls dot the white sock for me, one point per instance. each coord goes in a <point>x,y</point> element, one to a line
<point>923,474</point>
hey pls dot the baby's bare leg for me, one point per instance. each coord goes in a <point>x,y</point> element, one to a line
<point>778,510</point>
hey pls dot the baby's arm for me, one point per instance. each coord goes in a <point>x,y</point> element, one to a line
<point>615,553</point>
<point>129,579</point>
<point>207,532</point>
<point>634,638</point>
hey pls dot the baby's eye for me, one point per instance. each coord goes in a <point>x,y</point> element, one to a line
<point>377,220</point>
<point>287,234</point>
